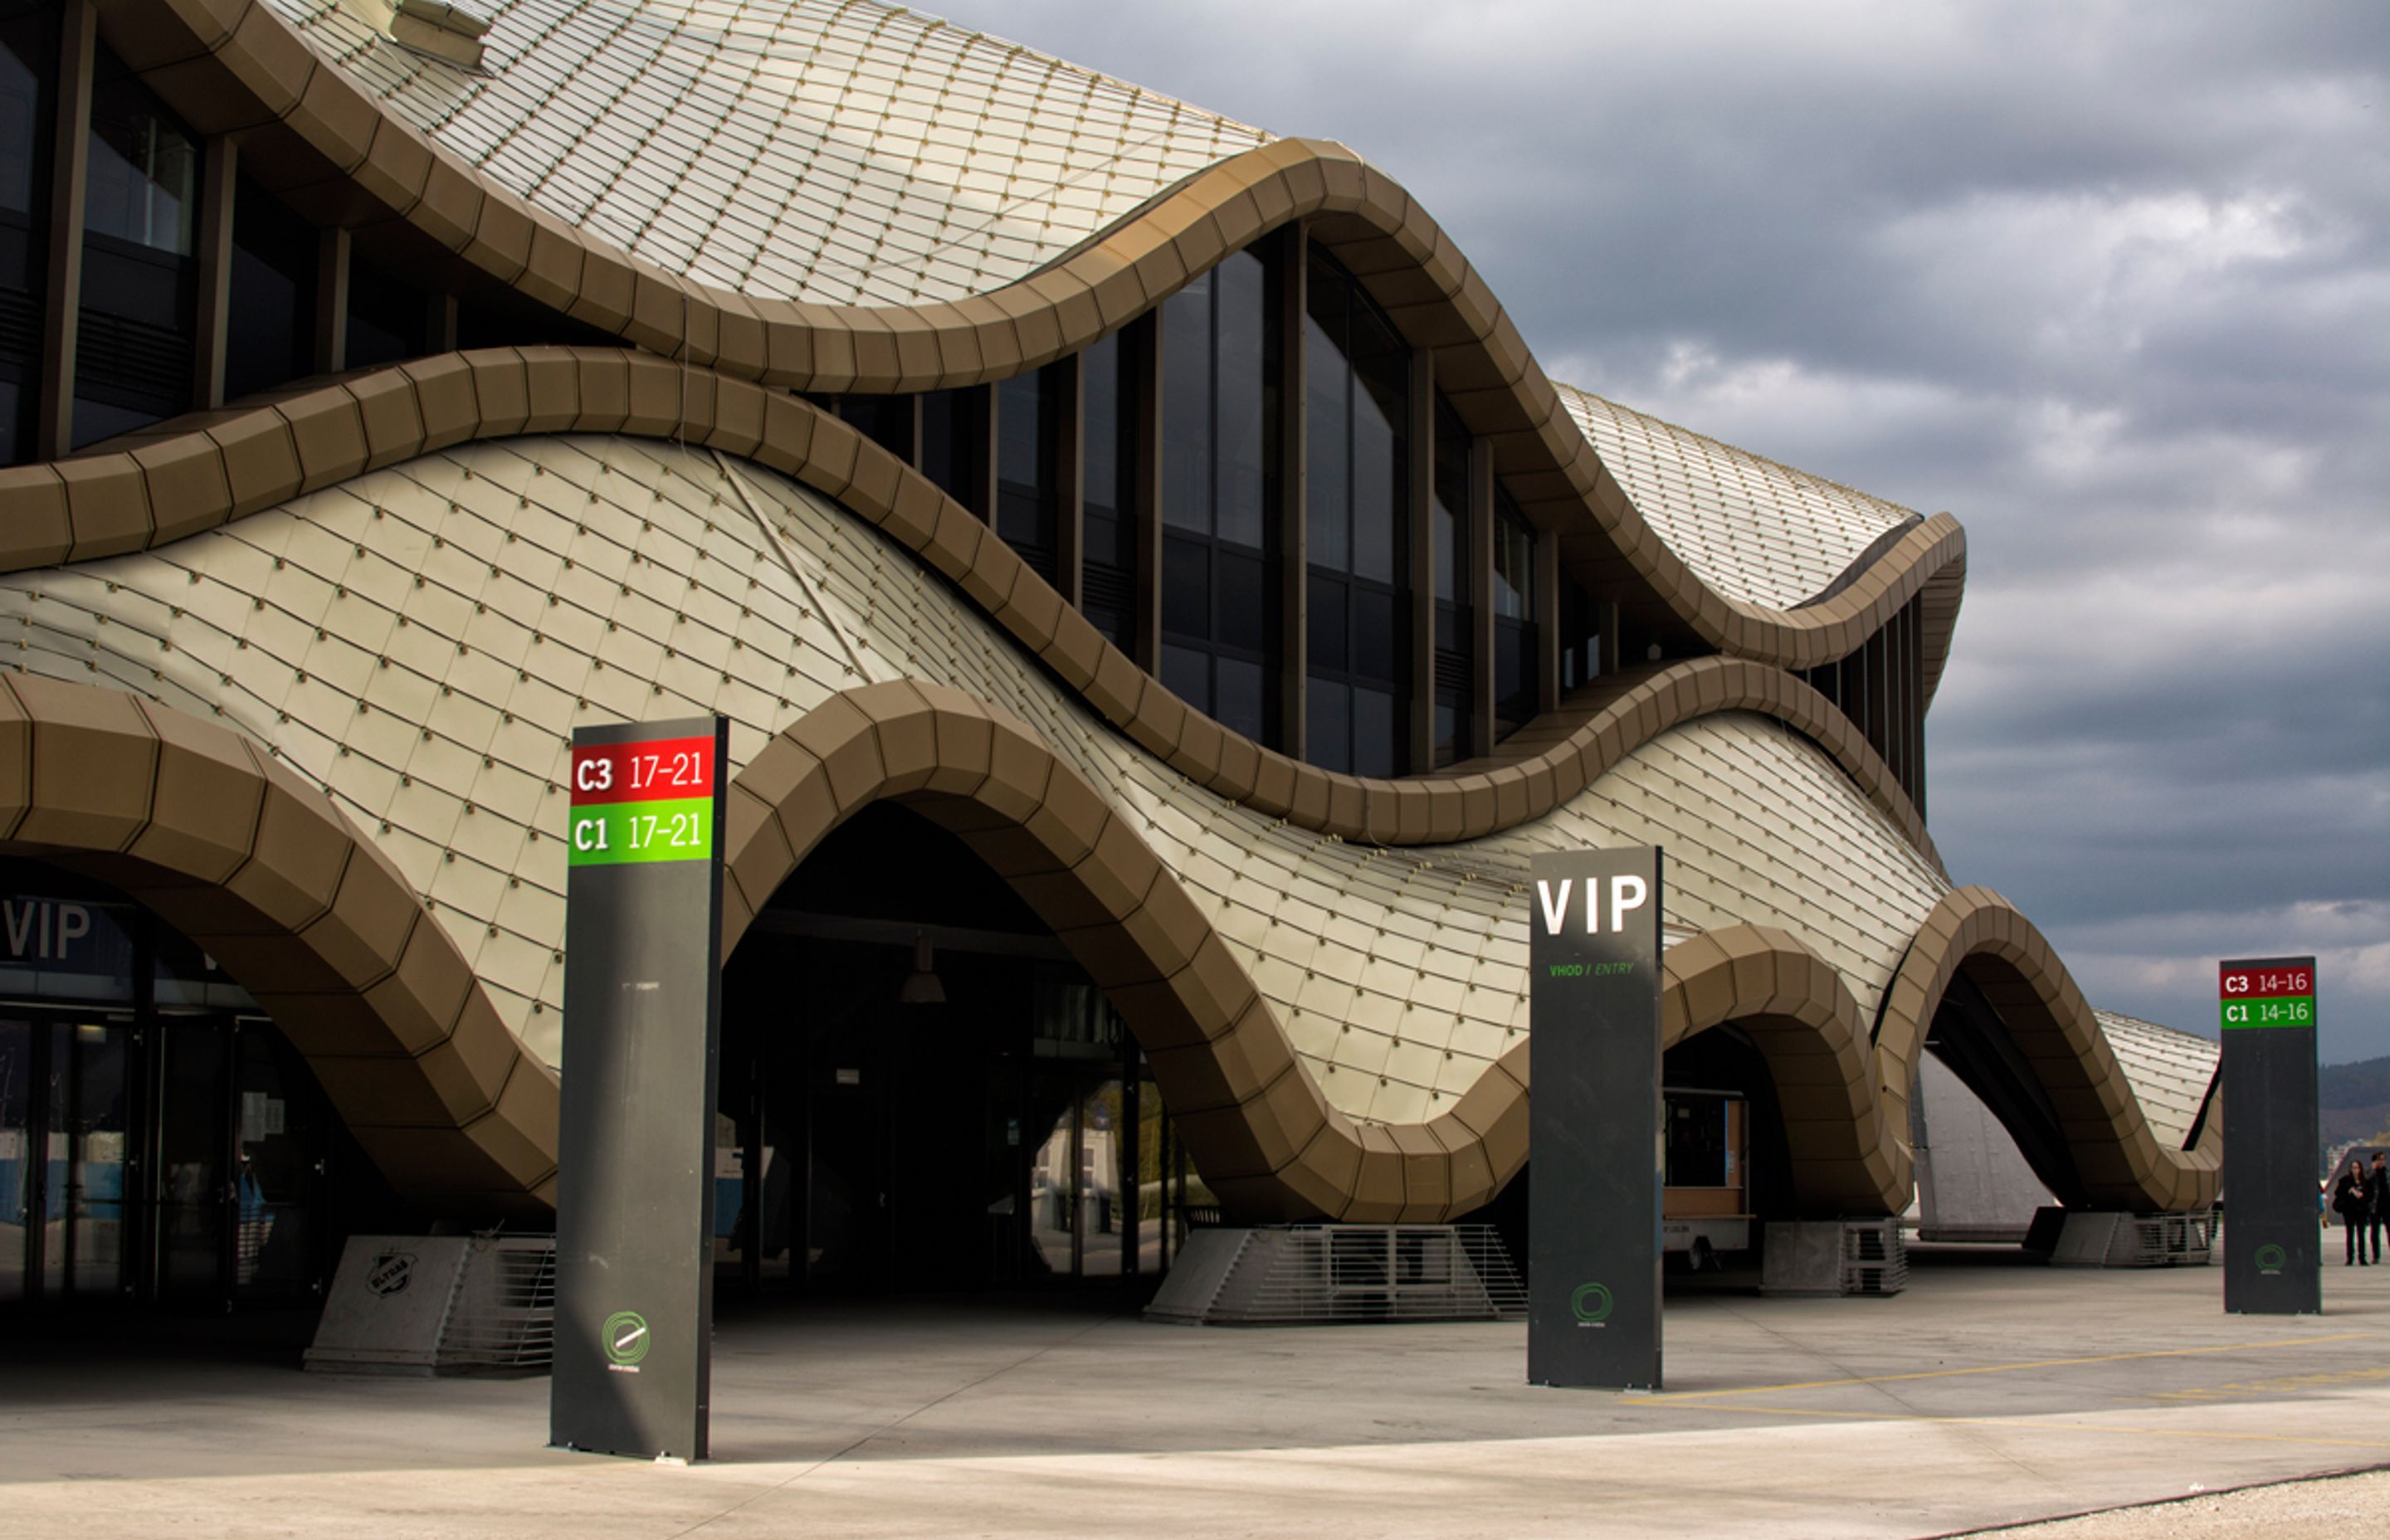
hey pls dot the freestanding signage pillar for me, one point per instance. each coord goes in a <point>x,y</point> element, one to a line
<point>642,1030</point>
<point>1593,1125</point>
<point>2272,1246</point>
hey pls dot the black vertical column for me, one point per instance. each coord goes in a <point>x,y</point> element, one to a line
<point>1593,1201</point>
<point>2272,1242</point>
<point>642,1030</point>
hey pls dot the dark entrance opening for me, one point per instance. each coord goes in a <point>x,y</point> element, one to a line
<point>935,1094</point>
<point>160,1142</point>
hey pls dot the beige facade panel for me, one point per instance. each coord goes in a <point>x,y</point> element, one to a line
<point>117,783</point>
<point>475,603</point>
<point>581,389</point>
<point>223,81</point>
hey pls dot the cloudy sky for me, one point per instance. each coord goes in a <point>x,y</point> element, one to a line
<point>2109,282</point>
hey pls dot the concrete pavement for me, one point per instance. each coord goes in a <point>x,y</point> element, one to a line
<point>1989,1393</point>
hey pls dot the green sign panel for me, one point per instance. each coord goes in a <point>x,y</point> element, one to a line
<point>612,834</point>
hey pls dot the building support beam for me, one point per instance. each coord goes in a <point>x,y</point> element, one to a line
<point>62,280</point>
<point>219,166</point>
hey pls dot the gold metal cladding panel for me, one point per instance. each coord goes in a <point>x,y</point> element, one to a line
<point>1525,776</point>
<point>492,595</point>
<point>419,640</point>
<point>1753,528</point>
<point>191,819</point>
<point>224,81</point>
<point>2171,1072</point>
<point>831,152</point>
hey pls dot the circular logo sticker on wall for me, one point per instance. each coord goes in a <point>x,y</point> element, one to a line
<point>626,1337</point>
<point>2271,1258</point>
<point>1591,1303</point>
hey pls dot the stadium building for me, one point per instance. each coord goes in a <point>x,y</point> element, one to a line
<point>1158,600</point>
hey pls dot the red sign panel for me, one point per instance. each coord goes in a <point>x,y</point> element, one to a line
<point>661,770</point>
<point>2282,979</point>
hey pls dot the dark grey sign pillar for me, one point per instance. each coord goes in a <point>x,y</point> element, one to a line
<point>642,1031</point>
<point>2272,1243</point>
<point>1593,1197</point>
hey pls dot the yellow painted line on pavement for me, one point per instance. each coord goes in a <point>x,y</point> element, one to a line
<point>2012,1368</point>
<point>2077,1429</point>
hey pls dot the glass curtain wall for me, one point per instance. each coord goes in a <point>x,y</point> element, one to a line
<point>1029,411</point>
<point>1357,462</point>
<point>1514,617</point>
<point>140,279</point>
<point>273,294</point>
<point>1108,485</point>
<point>1456,630</point>
<point>29,52</point>
<point>954,443</point>
<point>1219,477</point>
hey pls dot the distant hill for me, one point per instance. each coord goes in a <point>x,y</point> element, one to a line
<point>2353,1101</point>
<point>2362,1083</point>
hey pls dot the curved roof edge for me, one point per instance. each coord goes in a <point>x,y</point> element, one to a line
<point>319,141</point>
<point>211,468</point>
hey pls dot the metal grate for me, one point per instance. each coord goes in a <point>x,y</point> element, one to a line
<point>501,1307</point>
<point>1875,1258</point>
<point>2162,1241</point>
<point>1297,1275</point>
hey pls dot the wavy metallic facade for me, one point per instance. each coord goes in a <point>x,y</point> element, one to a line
<point>368,613</point>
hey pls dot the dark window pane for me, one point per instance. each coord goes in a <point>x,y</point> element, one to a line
<point>1377,490</point>
<point>1378,650</point>
<point>953,439</point>
<point>144,180</point>
<point>1186,587</point>
<point>385,318</point>
<point>1102,463</point>
<point>1029,418</point>
<point>1376,749</point>
<point>1240,703</point>
<point>1103,541</point>
<point>1244,614</point>
<point>1448,733</point>
<point>1186,408</point>
<point>273,294</point>
<point>1327,720</point>
<point>1186,674</point>
<point>1327,629</point>
<point>28,49</point>
<point>1514,561</point>
<point>885,421</point>
<point>1243,469</point>
<point>1326,449</point>
<point>95,420</point>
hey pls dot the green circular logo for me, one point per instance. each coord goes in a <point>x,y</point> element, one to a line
<point>1591,1303</point>
<point>626,1337</point>
<point>2271,1258</point>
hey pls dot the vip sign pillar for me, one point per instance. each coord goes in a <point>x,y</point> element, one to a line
<point>1594,1158</point>
<point>642,1030</point>
<point>2272,1244</point>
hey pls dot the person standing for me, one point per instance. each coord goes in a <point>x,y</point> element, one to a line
<point>2379,1180</point>
<point>2352,1199</point>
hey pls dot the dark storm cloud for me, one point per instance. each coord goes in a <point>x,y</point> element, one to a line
<point>2108,281</point>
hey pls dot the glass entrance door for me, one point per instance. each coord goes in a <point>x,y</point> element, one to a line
<point>18,1134</point>
<point>66,1114</point>
<point>1080,1176</point>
